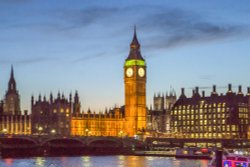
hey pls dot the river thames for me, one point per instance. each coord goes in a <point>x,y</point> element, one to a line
<point>102,161</point>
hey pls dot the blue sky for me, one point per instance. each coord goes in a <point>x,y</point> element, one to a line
<point>81,45</point>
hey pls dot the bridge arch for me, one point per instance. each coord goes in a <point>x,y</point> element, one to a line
<point>64,140</point>
<point>104,142</point>
<point>16,140</point>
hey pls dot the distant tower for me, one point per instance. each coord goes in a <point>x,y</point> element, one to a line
<point>159,102</point>
<point>170,100</point>
<point>76,105</point>
<point>12,98</point>
<point>135,89</point>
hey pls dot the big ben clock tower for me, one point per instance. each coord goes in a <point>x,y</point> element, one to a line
<point>135,90</point>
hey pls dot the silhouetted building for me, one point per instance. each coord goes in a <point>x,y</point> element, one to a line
<point>159,116</point>
<point>216,116</point>
<point>129,120</point>
<point>11,119</point>
<point>53,116</point>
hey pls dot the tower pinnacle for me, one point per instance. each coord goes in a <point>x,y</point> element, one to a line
<point>12,82</point>
<point>135,53</point>
<point>12,72</point>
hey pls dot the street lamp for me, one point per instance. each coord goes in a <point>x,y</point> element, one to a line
<point>4,131</point>
<point>53,131</point>
<point>40,129</point>
<point>87,131</point>
<point>121,133</point>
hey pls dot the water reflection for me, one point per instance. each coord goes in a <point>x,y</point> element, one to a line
<point>40,162</point>
<point>102,161</point>
<point>134,161</point>
<point>86,161</point>
<point>121,159</point>
<point>8,162</point>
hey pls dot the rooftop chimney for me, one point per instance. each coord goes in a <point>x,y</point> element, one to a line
<point>240,90</point>
<point>203,93</point>
<point>182,91</point>
<point>197,90</point>
<point>229,87</point>
<point>214,88</point>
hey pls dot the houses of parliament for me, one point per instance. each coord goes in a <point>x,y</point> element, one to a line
<point>207,117</point>
<point>61,115</point>
<point>129,120</point>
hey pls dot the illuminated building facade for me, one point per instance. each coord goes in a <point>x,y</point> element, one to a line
<point>158,117</point>
<point>53,116</point>
<point>213,117</point>
<point>15,124</point>
<point>129,120</point>
<point>135,90</point>
<point>109,123</point>
<point>11,119</point>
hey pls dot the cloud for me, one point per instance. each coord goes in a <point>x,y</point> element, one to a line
<point>87,16</point>
<point>165,27</point>
<point>89,57</point>
<point>177,27</point>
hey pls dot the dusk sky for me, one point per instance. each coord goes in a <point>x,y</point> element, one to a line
<point>59,45</point>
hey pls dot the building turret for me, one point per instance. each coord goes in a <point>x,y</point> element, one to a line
<point>32,100</point>
<point>51,98</point>
<point>12,98</point>
<point>12,82</point>
<point>39,98</point>
<point>76,105</point>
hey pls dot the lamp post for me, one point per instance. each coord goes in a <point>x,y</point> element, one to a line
<point>4,131</point>
<point>53,132</point>
<point>121,133</point>
<point>87,132</point>
<point>40,129</point>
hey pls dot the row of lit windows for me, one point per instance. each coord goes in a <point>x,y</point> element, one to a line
<point>96,124</point>
<point>62,110</point>
<point>243,110</point>
<point>201,122</point>
<point>224,128</point>
<point>205,122</point>
<point>199,111</point>
<point>243,115</point>
<point>202,105</point>
<point>192,117</point>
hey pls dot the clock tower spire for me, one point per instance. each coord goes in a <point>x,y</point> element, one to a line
<point>135,89</point>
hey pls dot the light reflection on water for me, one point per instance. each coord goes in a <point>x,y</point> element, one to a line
<point>102,161</point>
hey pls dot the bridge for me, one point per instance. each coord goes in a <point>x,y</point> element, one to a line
<point>91,145</point>
<point>11,145</point>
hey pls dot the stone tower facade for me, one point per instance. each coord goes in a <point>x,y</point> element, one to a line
<point>12,98</point>
<point>135,90</point>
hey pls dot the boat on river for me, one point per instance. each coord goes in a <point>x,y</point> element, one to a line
<point>232,160</point>
<point>193,153</point>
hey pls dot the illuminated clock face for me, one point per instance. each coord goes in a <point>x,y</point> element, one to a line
<point>141,72</point>
<point>129,72</point>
